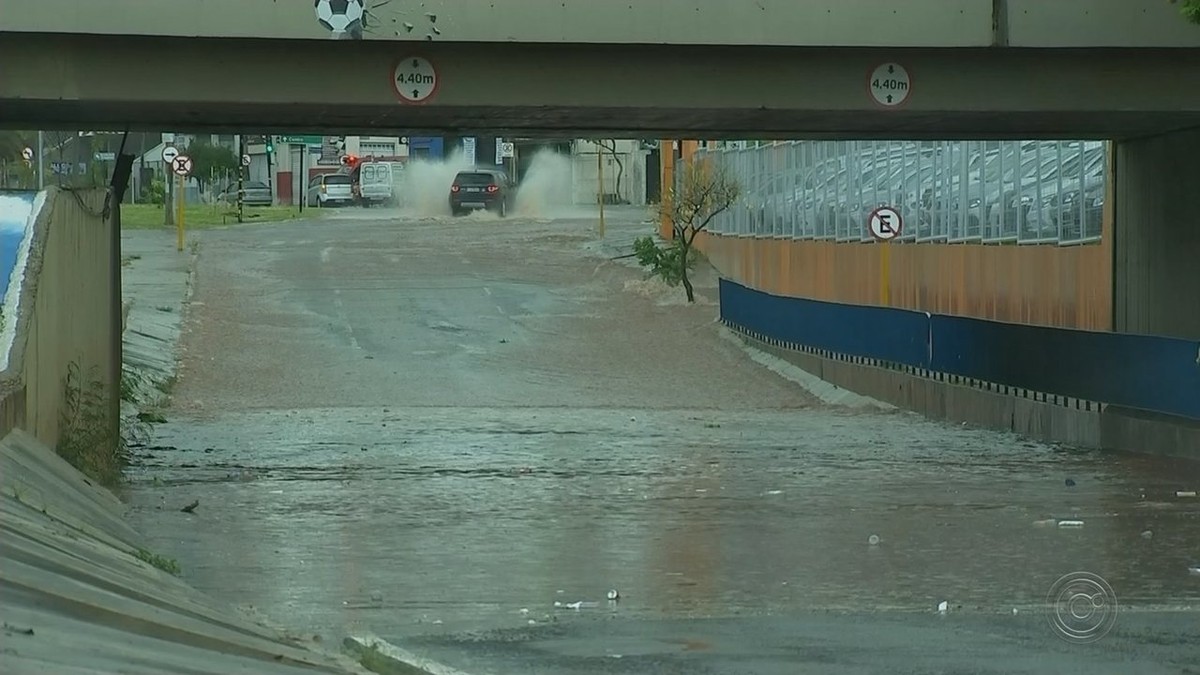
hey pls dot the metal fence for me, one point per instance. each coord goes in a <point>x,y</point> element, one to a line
<point>1035,192</point>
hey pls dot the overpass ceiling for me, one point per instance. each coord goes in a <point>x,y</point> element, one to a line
<point>239,85</point>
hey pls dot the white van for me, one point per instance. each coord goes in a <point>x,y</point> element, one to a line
<point>375,183</point>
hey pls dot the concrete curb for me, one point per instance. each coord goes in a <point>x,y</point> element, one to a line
<point>388,659</point>
<point>82,593</point>
<point>826,392</point>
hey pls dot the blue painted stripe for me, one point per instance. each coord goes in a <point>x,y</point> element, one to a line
<point>1145,372</point>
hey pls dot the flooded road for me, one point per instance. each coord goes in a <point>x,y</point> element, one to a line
<point>426,429</point>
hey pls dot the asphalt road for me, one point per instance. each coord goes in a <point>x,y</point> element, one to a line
<point>446,431</point>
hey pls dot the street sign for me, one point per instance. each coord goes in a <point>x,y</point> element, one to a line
<point>414,79</point>
<point>245,160</point>
<point>301,140</point>
<point>62,168</point>
<point>104,156</point>
<point>468,145</point>
<point>181,165</point>
<point>169,153</point>
<point>889,84</point>
<point>27,154</point>
<point>507,150</point>
<point>885,223</point>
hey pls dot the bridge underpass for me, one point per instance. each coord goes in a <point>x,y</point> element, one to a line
<point>278,305</point>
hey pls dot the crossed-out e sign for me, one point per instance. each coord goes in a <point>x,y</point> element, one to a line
<point>414,79</point>
<point>885,223</point>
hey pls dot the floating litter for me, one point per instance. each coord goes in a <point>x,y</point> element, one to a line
<point>1070,523</point>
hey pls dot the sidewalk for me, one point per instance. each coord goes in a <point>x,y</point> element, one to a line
<point>155,283</point>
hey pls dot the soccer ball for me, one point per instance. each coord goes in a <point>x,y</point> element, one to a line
<point>343,18</point>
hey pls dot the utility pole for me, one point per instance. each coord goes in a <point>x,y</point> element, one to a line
<point>241,177</point>
<point>271,182</point>
<point>41,169</point>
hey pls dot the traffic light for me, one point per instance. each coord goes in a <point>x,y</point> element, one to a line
<point>270,144</point>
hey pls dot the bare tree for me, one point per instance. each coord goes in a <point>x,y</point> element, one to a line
<point>704,190</point>
<point>611,146</point>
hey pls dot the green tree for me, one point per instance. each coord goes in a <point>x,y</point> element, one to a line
<point>209,160</point>
<point>1190,9</point>
<point>704,190</point>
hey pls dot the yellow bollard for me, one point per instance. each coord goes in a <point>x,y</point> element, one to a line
<point>600,186</point>
<point>179,214</point>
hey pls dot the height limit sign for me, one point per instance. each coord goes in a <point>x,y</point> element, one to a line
<point>415,79</point>
<point>889,84</point>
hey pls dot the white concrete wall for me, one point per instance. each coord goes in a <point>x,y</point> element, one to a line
<point>585,178</point>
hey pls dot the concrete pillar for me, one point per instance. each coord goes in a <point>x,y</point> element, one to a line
<point>1156,236</point>
<point>667,163</point>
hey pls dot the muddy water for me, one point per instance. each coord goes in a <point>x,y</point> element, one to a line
<point>419,519</point>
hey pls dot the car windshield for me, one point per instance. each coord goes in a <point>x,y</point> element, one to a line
<point>474,178</point>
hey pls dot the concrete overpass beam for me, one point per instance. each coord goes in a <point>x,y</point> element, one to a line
<point>677,91</point>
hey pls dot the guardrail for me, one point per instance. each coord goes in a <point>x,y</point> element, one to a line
<point>1143,372</point>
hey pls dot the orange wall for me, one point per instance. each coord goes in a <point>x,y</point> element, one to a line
<point>1069,286</point>
<point>1061,286</point>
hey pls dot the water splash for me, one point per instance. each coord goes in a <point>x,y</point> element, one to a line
<point>545,189</point>
<point>424,187</point>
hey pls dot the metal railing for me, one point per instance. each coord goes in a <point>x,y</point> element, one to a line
<point>1028,192</point>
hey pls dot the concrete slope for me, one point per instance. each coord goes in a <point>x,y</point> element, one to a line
<point>76,599</point>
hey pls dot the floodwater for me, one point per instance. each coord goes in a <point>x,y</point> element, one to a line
<point>339,490</point>
<point>337,518</point>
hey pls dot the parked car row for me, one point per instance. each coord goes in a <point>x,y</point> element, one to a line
<point>1026,191</point>
<point>367,184</point>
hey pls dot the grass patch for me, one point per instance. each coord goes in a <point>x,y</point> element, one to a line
<point>162,562</point>
<point>203,216</point>
<point>374,660</point>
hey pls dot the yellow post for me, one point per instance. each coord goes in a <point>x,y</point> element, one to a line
<point>600,186</point>
<point>885,274</point>
<point>179,214</point>
<point>666,154</point>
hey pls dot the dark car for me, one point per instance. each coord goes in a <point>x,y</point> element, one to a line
<point>486,189</point>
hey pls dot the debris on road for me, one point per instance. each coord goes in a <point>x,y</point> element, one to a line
<point>191,507</point>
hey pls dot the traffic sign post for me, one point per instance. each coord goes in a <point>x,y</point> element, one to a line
<point>889,84</point>
<point>885,224</point>
<point>181,166</point>
<point>169,153</point>
<point>414,79</point>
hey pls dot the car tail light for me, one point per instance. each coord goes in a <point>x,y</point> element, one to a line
<point>493,188</point>
<point>454,188</point>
